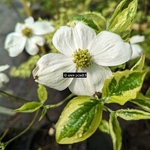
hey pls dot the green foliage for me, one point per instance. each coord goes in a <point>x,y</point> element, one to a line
<point>42,93</point>
<point>148,92</point>
<point>83,115</point>
<point>123,86</point>
<point>79,120</point>
<point>115,131</point>
<point>98,19</point>
<point>85,20</point>
<point>104,126</point>
<point>122,18</point>
<point>25,69</point>
<point>140,64</point>
<point>2,147</point>
<point>132,114</point>
<point>29,107</point>
<point>142,101</point>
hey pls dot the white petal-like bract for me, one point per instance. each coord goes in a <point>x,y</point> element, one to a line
<point>42,27</point>
<point>50,68</point>
<point>31,47</point>
<point>3,67</point>
<point>15,44</point>
<point>108,49</point>
<point>137,39</point>
<point>3,79</point>
<point>96,75</point>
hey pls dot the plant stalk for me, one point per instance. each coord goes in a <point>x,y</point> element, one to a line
<point>29,126</point>
<point>13,97</point>
<point>60,103</point>
<point>26,8</point>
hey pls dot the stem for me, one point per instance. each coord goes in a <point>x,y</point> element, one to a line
<point>26,8</point>
<point>60,103</point>
<point>4,134</point>
<point>29,126</point>
<point>13,97</point>
<point>108,109</point>
<point>43,50</point>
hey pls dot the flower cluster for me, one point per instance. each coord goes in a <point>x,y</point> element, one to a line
<point>28,35</point>
<point>81,51</point>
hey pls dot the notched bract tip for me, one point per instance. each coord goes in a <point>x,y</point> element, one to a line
<point>34,72</point>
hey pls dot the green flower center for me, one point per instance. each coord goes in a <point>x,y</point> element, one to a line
<point>27,32</point>
<point>82,58</point>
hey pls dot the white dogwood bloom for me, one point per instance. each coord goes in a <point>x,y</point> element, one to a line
<point>81,51</point>
<point>136,48</point>
<point>3,77</point>
<point>27,35</point>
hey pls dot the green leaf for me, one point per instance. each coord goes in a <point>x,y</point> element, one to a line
<point>29,107</point>
<point>122,18</point>
<point>42,93</point>
<point>97,18</point>
<point>123,86</point>
<point>132,114</point>
<point>148,93</point>
<point>117,11</point>
<point>25,69</point>
<point>104,126</point>
<point>140,64</point>
<point>86,21</point>
<point>79,120</point>
<point>43,113</point>
<point>115,132</point>
<point>142,101</point>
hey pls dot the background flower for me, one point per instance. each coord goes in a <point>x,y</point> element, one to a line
<point>27,35</point>
<point>3,78</point>
<point>136,48</point>
<point>82,51</point>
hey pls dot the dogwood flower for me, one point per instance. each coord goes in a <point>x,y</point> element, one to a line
<point>27,35</point>
<point>81,51</point>
<point>136,48</point>
<point>3,78</point>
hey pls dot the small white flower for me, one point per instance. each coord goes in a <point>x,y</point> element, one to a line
<point>3,78</point>
<point>136,48</point>
<point>82,51</point>
<point>27,35</point>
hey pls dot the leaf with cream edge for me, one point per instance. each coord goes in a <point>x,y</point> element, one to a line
<point>97,18</point>
<point>29,107</point>
<point>142,101</point>
<point>148,93</point>
<point>79,120</point>
<point>132,114</point>
<point>123,86</point>
<point>117,11</point>
<point>42,93</point>
<point>140,64</point>
<point>86,21</point>
<point>104,126</point>
<point>121,20</point>
<point>115,131</point>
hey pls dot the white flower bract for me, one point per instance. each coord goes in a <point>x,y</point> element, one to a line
<point>3,77</point>
<point>27,35</point>
<point>106,49</point>
<point>136,48</point>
